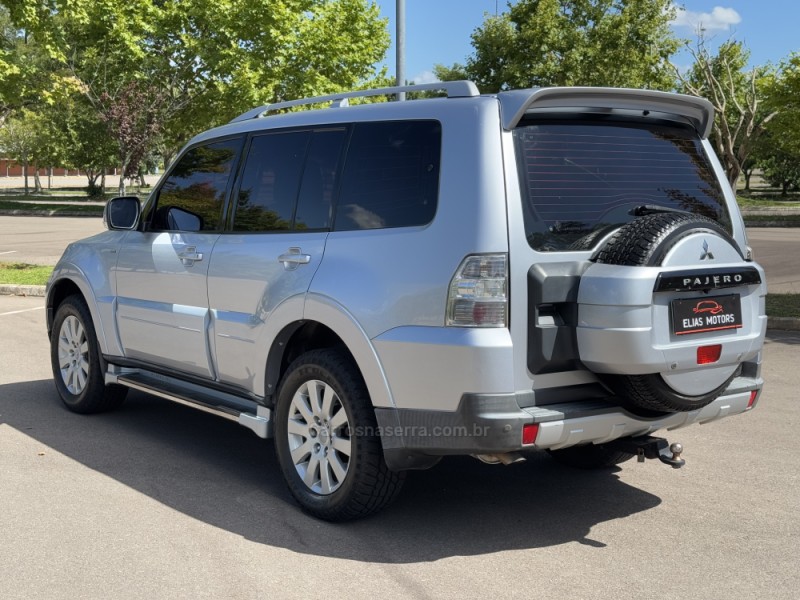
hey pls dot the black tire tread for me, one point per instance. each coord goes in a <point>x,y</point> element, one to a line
<point>376,486</point>
<point>97,396</point>
<point>639,242</point>
<point>644,242</point>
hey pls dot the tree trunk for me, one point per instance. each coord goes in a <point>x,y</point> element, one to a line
<point>122,182</point>
<point>25,173</point>
<point>37,183</point>
<point>747,175</point>
<point>103,181</point>
<point>785,188</point>
<point>140,175</point>
<point>733,176</point>
<point>50,178</point>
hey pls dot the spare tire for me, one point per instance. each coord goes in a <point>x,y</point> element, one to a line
<point>645,242</point>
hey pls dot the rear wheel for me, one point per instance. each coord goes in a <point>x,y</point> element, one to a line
<point>327,442</point>
<point>590,456</point>
<point>75,358</point>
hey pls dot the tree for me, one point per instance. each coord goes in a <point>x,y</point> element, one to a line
<point>18,140</point>
<point>163,70</point>
<point>621,43</point>
<point>783,98</point>
<point>781,168</point>
<point>778,152</point>
<point>738,99</point>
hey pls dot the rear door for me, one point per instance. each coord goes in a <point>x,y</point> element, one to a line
<point>576,181</point>
<point>274,245</point>
<point>162,299</point>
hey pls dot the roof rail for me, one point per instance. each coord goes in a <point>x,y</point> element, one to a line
<point>454,89</point>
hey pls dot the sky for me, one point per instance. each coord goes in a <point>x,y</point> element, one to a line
<point>438,31</point>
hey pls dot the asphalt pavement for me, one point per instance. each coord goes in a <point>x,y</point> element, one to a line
<point>158,500</point>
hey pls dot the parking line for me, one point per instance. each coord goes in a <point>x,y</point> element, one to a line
<point>8,252</point>
<point>16,312</point>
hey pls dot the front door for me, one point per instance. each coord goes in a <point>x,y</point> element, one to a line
<point>162,296</point>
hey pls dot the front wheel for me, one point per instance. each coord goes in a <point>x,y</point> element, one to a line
<point>327,442</point>
<point>75,359</point>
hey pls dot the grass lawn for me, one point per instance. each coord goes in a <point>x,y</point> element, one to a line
<point>24,274</point>
<point>783,305</point>
<point>52,209</point>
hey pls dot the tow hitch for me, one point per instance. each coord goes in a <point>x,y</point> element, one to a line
<point>650,447</point>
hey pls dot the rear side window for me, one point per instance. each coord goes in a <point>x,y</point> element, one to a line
<point>270,182</point>
<point>583,179</point>
<point>289,180</point>
<point>192,197</point>
<point>391,175</point>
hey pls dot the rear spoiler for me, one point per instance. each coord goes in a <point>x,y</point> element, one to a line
<point>514,104</point>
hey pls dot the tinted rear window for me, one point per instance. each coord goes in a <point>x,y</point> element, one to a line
<point>391,175</point>
<point>582,179</point>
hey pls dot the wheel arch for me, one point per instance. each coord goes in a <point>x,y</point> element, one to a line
<point>68,281</point>
<point>327,324</point>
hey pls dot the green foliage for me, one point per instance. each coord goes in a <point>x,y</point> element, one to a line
<point>778,152</point>
<point>621,43</point>
<point>156,72</point>
<point>783,305</point>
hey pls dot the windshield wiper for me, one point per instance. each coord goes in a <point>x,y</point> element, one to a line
<point>652,209</point>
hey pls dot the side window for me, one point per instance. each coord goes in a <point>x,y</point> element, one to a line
<point>289,180</point>
<point>391,175</point>
<point>319,180</point>
<point>193,195</point>
<point>270,182</point>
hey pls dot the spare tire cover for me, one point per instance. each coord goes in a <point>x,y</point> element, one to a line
<point>655,241</point>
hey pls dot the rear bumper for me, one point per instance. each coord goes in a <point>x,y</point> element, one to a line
<point>492,424</point>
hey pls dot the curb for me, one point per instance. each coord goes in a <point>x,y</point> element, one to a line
<point>47,213</point>
<point>7,289</point>
<point>780,323</point>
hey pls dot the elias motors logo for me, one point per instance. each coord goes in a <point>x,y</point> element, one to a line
<point>706,252</point>
<point>708,306</point>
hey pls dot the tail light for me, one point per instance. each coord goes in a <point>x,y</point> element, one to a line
<point>478,294</point>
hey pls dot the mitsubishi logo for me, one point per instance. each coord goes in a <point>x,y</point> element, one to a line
<point>706,252</point>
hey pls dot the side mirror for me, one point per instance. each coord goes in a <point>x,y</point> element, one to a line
<point>122,212</point>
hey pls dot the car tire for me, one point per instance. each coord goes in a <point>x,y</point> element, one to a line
<point>327,440</point>
<point>590,456</point>
<point>76,362</point>
<point>645,242</point>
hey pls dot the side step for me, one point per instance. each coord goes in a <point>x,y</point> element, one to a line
<point>250,414</point>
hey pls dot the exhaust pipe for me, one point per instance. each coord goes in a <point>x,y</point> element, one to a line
<point>506,458</point>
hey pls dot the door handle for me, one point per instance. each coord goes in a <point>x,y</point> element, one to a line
<point>293,258</point>
<point>190,256</point>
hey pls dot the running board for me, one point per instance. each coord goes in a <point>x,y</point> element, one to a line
<point>247,413</point>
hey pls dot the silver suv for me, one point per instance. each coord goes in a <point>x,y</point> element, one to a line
<point>379,286</point>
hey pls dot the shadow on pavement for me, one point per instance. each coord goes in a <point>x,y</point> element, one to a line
<point>218,472</point>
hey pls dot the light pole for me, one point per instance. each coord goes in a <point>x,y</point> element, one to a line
<point>400,42</point>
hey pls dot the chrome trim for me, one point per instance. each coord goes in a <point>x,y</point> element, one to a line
<point>220,411</point>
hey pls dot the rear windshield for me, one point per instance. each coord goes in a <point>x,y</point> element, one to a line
<point>583,179</point>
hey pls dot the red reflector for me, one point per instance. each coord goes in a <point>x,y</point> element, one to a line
<point>529,433</point>
<point>753,396</point>
<point>708,354</point>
